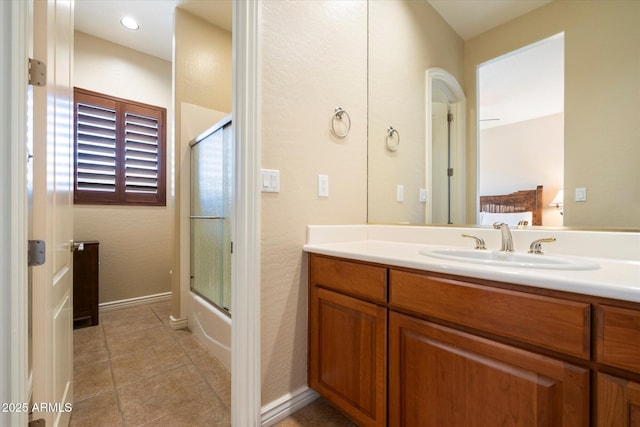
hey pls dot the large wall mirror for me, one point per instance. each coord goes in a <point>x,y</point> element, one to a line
<point>600,120</point>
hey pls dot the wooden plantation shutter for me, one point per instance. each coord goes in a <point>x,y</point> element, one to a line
<point>96,147</point>
<point>119,151</point>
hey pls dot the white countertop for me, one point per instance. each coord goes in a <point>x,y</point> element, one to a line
<point>616,278</point>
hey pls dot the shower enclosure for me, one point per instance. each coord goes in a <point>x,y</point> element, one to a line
<point>210,216</point>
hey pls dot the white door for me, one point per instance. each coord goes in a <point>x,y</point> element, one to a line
<point>52,313</point>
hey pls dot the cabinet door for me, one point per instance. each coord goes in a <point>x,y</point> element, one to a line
<point>347,355</point>
<point>85,283</point>
<point>618,402</point>
<point>442,377</point>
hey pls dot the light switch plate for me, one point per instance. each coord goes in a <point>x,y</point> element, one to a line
<point>323,185</point>
<point>581,194</point>
<point>423,195</point>
<point>270,180</point>
<point>400,193</point>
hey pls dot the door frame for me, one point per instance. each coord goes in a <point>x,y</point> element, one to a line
<point>245,293</point>
<point>15,387</point>
<point>246,382</point>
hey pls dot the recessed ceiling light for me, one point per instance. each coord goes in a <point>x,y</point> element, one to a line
<point>129,23</point>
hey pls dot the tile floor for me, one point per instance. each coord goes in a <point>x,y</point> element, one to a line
<point>134,370</point>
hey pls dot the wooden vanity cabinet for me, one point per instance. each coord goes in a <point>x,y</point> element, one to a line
<point>348,338</point>
<point>466,352</point>
<point>443,376</point>
<point>439,376</point>
<point>618,402</point>
<point>618,345</point>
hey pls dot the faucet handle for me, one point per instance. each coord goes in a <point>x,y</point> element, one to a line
<point>536,245</point>
<point>479,241</point>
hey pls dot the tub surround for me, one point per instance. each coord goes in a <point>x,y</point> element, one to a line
<point>617,254</point>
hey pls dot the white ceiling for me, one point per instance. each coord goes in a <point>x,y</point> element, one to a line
<point>101,18</point>
<point>469,18</point>
<point>522,85</point>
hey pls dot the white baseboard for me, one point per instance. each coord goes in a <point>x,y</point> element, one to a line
<point>286,405</point>
<point>132,302</point>
<point>180,323</point>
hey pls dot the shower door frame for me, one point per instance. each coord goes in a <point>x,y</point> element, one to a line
<point>225,127</point>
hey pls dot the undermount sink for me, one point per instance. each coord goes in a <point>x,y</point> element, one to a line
<point>511,259</point>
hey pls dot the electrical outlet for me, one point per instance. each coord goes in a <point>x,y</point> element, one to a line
<point>581,194</point>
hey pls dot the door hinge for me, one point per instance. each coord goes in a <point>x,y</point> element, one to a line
<point>37,72</point>
<point>450,172</point>
<point>231,247</point>
<point>449,117</point>
<point>36,252</point>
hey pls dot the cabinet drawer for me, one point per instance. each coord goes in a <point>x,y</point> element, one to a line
<point>619,337</point>
<point>362,280</point>
<point>548,322</point>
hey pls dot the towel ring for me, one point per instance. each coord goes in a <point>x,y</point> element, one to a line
<point>339,112</point>
<point>389,137</point>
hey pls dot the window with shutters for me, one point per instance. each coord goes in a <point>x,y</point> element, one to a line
<point>119,151</point>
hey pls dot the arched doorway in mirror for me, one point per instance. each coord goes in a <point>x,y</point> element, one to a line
<point>445,172</point>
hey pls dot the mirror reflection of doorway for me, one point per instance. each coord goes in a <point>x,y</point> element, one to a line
<point>441,152</point>
<point>445,158</point>
<point>521,123</point>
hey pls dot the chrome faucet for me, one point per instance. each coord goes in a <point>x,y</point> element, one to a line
<point>507,240</point>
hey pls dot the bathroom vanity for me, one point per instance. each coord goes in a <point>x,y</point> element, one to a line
<point>400,340</point>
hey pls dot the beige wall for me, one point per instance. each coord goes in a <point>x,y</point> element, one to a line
<point>202,85</point>
<point>314,59</point>
<point>522,155</point>
<point>602,66</point>
<point>135,242</point>
<point>405,39</point>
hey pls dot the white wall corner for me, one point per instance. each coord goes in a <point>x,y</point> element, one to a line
<point>286,405</point>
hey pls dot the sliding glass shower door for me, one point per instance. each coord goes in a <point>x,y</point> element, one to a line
<point>211,203</point>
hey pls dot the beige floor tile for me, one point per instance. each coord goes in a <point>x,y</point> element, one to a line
<point>136,340</point>
<point>153,360</point>
<point>217,376</point>
<point>128,319</point>
<point>169,393</point>
<point>89,346</point>
<point>100,410</point>
<point>91,379</point>
<point>201,415</point>
<point>162,310</point>
<point>191,345</point>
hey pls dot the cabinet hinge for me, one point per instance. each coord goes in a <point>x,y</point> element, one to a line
<point>450,172</point>
<point>37,72</point>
